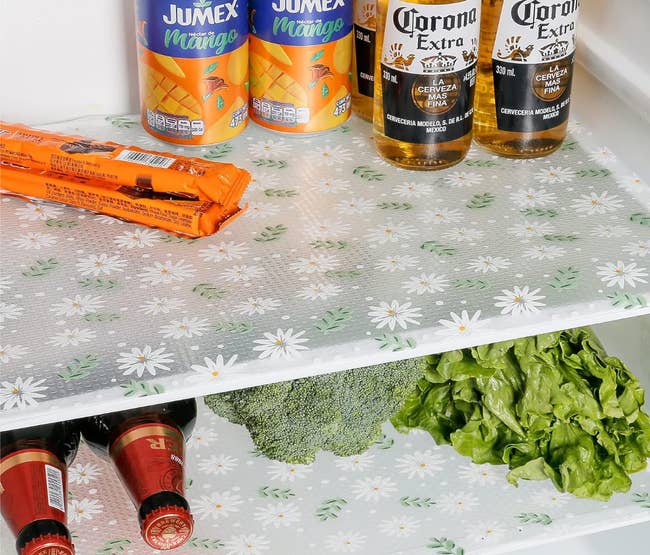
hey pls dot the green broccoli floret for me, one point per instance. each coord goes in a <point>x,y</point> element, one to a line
<point>341,412</point>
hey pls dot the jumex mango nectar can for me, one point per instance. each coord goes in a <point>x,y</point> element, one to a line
<point>300,63</point>
<point>193,64</point>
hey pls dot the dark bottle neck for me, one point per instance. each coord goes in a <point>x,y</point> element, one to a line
<point>61,439</point>
<point>40,528</point>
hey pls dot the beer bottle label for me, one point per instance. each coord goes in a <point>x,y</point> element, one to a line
<point>532,64</point>
<point>149,459</point>
<point>365,24</point>
<point>32,487</point>
<point>428,70</point>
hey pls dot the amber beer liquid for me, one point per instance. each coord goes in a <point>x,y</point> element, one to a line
<point>525,72</point>
<point>363,71</point>
<point>33,486</point>
<point>146,447</point>
<point>425,73</point>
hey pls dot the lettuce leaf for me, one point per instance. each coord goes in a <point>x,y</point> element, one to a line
<point>553,406</point>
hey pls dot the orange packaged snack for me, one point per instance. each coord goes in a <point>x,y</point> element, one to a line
<point>183,195</point>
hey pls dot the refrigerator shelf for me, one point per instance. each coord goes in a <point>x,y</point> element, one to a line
<point>341,261</point>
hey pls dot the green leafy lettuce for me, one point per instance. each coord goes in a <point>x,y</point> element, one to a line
<point>550,406</point>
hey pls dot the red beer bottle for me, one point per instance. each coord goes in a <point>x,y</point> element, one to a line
<point>34,486</point>
<point>146,447</point>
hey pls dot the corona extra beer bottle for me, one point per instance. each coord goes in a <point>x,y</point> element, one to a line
<point>525,73</point>
<point>363,74</point>
<point>425,73</point>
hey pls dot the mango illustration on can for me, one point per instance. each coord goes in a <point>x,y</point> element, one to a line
<point>193,65</point>
<point>300,64</point>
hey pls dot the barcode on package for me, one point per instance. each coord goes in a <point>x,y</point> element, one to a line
<point>145,159</point>
<point>54,481</point>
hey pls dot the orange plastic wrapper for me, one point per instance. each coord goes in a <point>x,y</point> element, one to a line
<point>183,195</point>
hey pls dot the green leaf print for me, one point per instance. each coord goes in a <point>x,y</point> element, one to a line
<point>627,300</point>
<point>137,388</point>
<point>317,56</point>
<point>121,122</point>
<point>61,224</point>
<point>395,206</point>
<point>565,278</point>
<point>535,518</point>
<point>267,163</point>
<point>99,283</point>
<point>569,145</point>
<point>209,291</point>
<point>471,284</point>
<point>438,248</point>
<point>41,267</point>
<point>275,493</point>
<point>481,200</point>
<point>101,317</point>
<point>177,239</point>
<point>205,543</point>
<point>271,233</point>
<point>79,368</point>
<point>444,546</point>
<point>559,238</point>
<point>280,193</point>
<point>343,273</point>
<point>113,547</point>
<point>540,212</point>
<point>324,90</point>
<point>330,508</point>
<point>220,102</point>
<point>344,129</point>
<point>641,218</point>
<point>334,320</point>
<point>391,342</point>
<point>481,163</point>
<point>384,442</point>
<point>218,151</point>
<point>367,173</point>
<point>232,327</point>
<point>643,499</point>
<point>210,68</point>
<point>417,502</point>
<point>329,244</point>
<point>594,172</point>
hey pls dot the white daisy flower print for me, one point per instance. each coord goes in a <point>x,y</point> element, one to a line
<point>439,216</point>
<point>332,185</point>
<point>345,542</point>
<point>330,229</point>
<point>462,234</point>
<point>602,155</point>
<point>262,182</point>
<point>35,241</point>
<point>399,526</point>
<point>242,273</point>
<point>12,352</point>
<point>394,314</point>
<point>261,210</point>
<point>314,263</point>
<point>395,263</point>
<point>486,531</point>
<point>354,206</point>
<point>72,337</point>
<point>100,265</point>
<point>519,301</point>
<point>426,283</point>
<point>84,509</point>
<point>21,393</point>
<point>631,183</point>
<point>410,189</point>
<point>546,497</point>
<point>331,155</point>
<point>355,463</point>
<point>463,179</point>
<point>532,198</point>
<point>107,220</point>
<point>33,211</point>
<point>457,503</point>
<point>217,505</point>
<point>81,305</point>
<point>227,251</point>
<point>270,148</point>
<point>137,239</point>
<point>83,474</point>
<point>161,305</point>
<point>554,174</point>
<point>575,128</point>
<point>282,344</point>
<point>609,231</point>
<point>621,274</point>
<point>487,264</point>
<point>166,272</point>
<point>373,489</point>
<point>286,472</point>
<point>278,515</point>
<point>10,311</point>
<point>544,252</point>
<point>528,229</point>
<point>257,305</point>
<point>419,464</point>
<point>460,325</point>
<point>638,248</point>
<point>213,369</point>
<point>597,204</point>
<point>217,465</point>
<point>247,544</point>
<point>144,360</point>
<point>391,233</point>
<point>202,436</point>
<point>185,327</point>
<point>319,291</point>
<point>479,474</point>
<point>5,284</point>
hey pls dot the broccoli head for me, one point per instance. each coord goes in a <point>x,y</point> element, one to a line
<point>341,412</point>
